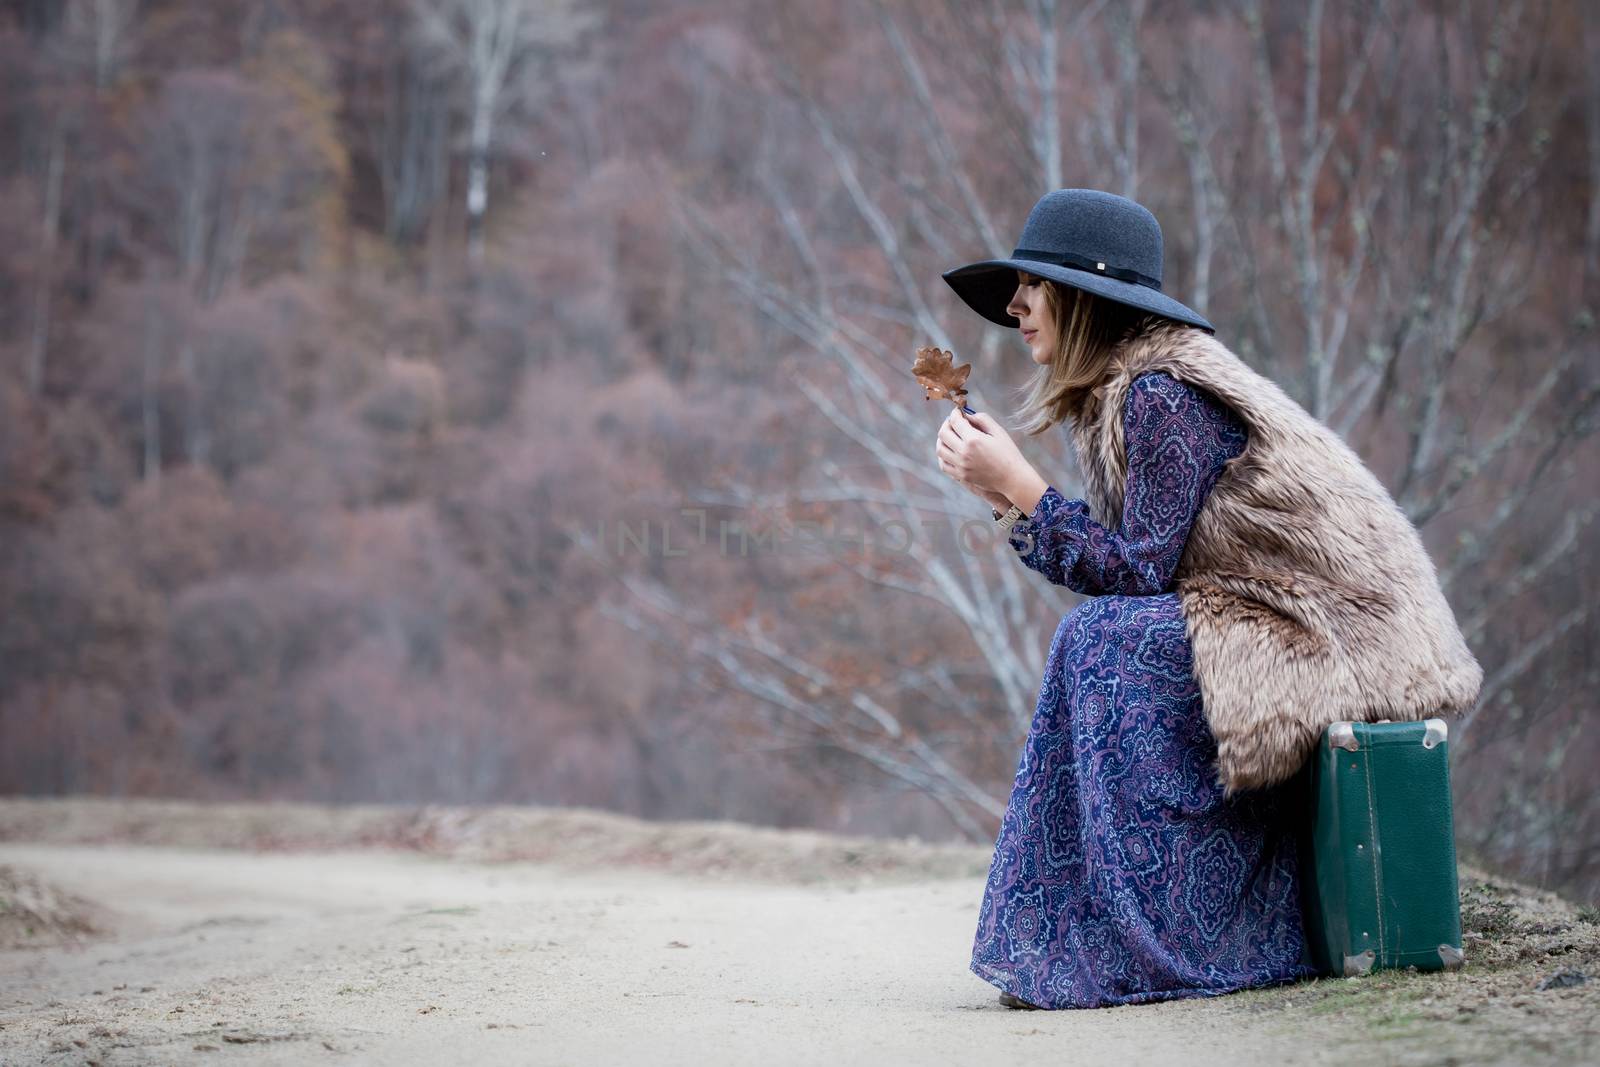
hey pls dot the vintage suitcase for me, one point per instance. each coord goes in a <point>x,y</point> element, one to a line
<point>1377,849</point>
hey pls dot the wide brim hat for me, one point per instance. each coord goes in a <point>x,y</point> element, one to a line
<point>1086,238</point>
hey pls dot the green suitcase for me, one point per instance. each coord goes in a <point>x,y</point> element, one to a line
<point>1377,849</point>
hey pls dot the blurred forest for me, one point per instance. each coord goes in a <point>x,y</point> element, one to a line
<point>440,400</point>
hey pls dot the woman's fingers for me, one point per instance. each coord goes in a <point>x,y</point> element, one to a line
<point>952,447</point>
<point>949,461</point>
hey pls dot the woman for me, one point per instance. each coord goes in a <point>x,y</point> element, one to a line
<point>1251,581</point>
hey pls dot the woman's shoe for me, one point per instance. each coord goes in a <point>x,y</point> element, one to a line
<point>1016,1002</point>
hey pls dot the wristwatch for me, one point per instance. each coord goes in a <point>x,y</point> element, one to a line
<point>1009,519</point>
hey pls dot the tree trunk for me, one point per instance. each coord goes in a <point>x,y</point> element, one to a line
<point>39,339</point>
<point>478,179</point>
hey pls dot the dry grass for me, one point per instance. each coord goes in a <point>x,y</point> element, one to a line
<point>1529,994</point>
<point>34,914</point>
<point>572,837</point>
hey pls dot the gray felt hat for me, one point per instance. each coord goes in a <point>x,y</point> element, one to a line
<point>1085,238</point>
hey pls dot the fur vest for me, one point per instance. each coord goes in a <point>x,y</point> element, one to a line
<point>1307,594</point>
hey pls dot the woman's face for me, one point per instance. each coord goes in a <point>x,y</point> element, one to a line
<point>1037,326</point>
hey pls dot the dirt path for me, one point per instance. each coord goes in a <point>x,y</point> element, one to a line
<point>398,958</point>
<point>179,932</point>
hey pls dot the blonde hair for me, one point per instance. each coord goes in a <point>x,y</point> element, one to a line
<point>1088,330</point>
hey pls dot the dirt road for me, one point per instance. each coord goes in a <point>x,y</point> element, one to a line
<point>180,932</point>
<point>398,958</point>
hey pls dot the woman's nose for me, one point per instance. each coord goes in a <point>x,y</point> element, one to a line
<point>1017,304</point>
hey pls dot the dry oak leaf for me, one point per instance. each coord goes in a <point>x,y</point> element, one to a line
<point>935,369</point>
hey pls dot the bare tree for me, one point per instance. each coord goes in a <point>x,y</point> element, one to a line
<point>100,33</point>
<point>227,165</point>
<point>1397,268</point>
<point>411,141</point>
<point>44,282</point>
<point>86,47</point>
<point>1411,305</point>
<point>1591,114</point>
<point>979,590</point>
<point>494,45</point>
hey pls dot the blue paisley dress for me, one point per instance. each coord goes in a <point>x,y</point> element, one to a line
<point>1121,875</point>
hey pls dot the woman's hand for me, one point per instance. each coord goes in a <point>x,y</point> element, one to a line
<point>977,452</point>
<point>998,501</point>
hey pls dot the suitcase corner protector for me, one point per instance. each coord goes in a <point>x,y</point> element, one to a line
<point>1343,735</point>
<point>1434,732</point>
<point>1359,964</point>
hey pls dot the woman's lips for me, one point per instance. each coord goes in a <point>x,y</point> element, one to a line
<point>1027,335</point>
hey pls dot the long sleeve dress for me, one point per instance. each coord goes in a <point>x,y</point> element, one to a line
<point>1121,875</point>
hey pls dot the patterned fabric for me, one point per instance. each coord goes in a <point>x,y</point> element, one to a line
<point>1121,875</point>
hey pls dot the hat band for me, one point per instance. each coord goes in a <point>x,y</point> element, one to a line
<point>1072,259</point>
